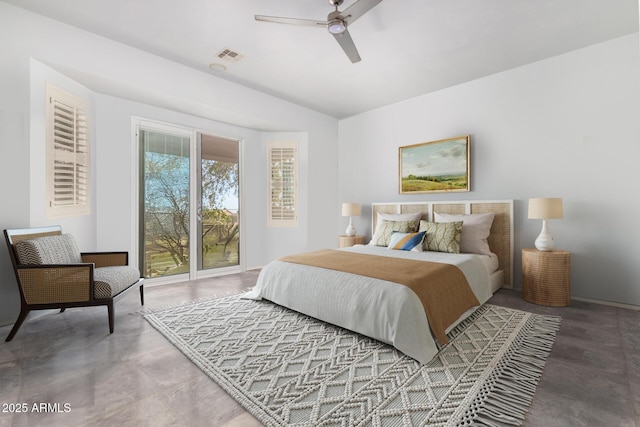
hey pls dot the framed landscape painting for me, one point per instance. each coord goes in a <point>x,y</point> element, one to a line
<point>437,166</point>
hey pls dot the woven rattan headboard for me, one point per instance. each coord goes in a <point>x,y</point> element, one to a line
<point>500,240</point>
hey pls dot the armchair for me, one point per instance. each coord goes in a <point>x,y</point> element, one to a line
<point>52,273</point>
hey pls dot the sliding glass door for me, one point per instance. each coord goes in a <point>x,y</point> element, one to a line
<point>164,203</point>
<point>219,223</point>
<point>188,202</point>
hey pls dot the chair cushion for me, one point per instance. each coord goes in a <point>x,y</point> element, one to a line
<point>110,281</point>
<point>59,249</point>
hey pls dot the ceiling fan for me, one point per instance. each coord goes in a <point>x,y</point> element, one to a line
<point>336,23</point>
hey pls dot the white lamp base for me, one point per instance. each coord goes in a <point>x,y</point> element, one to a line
<point>545,241</point>
<point>351,230</point>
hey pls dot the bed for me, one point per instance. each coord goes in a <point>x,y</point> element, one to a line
<point>377,306</point>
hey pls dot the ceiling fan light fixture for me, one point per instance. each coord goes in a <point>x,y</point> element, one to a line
<point>337,26</point>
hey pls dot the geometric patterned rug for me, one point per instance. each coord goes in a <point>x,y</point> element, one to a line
<point>288,369</point>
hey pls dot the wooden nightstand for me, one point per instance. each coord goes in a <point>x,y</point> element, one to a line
<point>546,277</point>
<point>348,241</point>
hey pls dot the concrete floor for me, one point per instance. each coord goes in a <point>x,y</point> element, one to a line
<point>135,377</point>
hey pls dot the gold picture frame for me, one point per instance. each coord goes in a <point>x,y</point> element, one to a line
<point>435,167</point>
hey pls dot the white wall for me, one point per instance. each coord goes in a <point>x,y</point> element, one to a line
<point>565,127</point>
<point>121,81</point>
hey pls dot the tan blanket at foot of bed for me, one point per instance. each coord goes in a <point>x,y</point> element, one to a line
<point>442,288</point>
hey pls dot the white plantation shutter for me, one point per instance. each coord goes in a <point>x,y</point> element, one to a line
<point>67,154</point>
<point>283,185</point>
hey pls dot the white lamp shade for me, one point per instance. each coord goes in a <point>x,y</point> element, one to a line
<point>351,209</point>
<point>545,208</point>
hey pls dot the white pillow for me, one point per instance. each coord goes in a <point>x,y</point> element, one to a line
<point>475,231</point>
<point>414,216</point>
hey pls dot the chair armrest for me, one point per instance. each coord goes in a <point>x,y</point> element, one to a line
<point>106,259</point>
<point>59,283</point>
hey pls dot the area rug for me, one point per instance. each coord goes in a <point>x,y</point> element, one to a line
<point>288,369</point>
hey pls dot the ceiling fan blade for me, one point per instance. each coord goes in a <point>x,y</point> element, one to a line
<point>293,21</point>
<point>358,9</point>
<point>346,43</point>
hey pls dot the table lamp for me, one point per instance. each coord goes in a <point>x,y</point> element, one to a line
<point>544,209</point>
<point>350,210</point>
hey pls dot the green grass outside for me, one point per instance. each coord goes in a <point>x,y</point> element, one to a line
<point>162,264</point>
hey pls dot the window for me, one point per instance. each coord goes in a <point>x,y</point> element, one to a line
<point>67,142</point>
<point>283,184</point>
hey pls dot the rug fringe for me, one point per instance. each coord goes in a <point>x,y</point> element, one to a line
<point>511,392</point>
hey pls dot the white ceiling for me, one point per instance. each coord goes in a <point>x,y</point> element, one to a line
<point>408,47</point>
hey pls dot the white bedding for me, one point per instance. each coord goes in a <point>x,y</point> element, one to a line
<point>383,310</point>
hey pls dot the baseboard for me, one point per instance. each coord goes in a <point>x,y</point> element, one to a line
<point>600,301</point>
<point>33,314</point>
<point>610,303</point>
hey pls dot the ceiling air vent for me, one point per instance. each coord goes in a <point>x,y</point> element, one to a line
<point>229,55</point>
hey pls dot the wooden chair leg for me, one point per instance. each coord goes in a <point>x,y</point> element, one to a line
<point>141,294</point>
<point>23,315</point>
<point>110,310</point>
